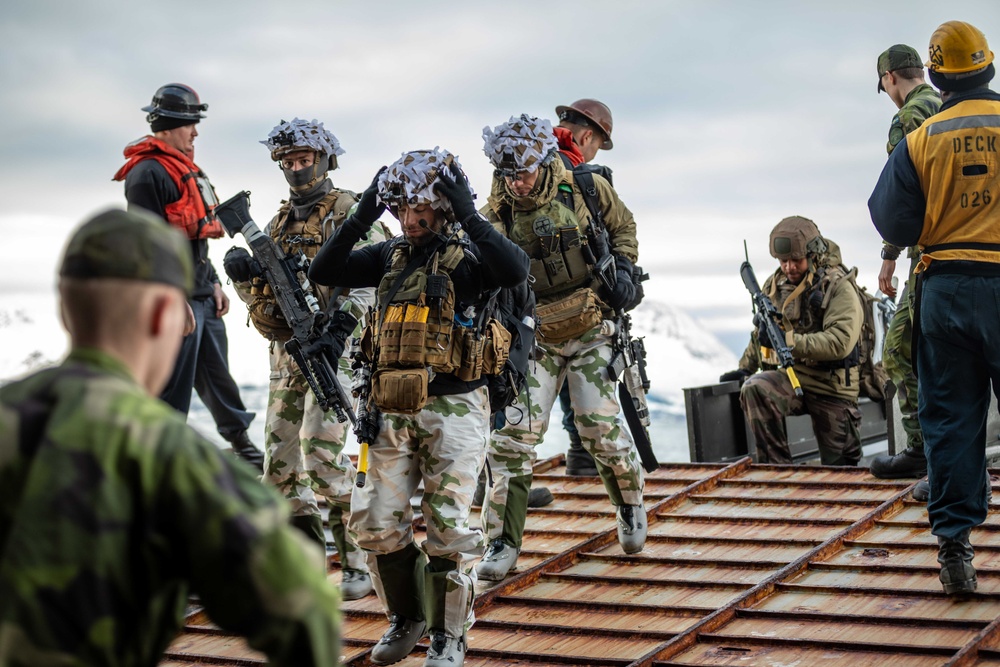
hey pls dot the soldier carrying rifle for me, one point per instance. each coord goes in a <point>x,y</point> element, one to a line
<point>821,321</point>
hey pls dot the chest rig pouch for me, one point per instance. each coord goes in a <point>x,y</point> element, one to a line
<point>556,244</point>
<point>418,332</point>
<point>294,238</point>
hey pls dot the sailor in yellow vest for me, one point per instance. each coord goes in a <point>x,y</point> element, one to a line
<point>537,203</point>
<point>305,444</point>
<point>939,190</point>
<point>431,345</point>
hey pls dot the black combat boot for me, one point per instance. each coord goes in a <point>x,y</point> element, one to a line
<point>958,577</point>
<point>244,448</point>
<point>579,462</point>
<point>908,463</point>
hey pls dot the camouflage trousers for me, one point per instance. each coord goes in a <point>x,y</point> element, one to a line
<point>767,398</point>
<point>443,446</point>
<point>305,452</point>
<point>583,364</point>
<point>897,364</point>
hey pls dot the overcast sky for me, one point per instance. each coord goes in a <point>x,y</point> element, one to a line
<point>728,115</point>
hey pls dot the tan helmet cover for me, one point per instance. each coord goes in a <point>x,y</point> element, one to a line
<point>794,238</point>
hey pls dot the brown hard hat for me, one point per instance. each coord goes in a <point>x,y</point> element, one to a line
<point>595,113</point>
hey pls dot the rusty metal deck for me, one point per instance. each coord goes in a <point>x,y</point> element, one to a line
<point>744,565</point>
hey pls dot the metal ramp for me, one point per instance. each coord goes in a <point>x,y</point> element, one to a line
<point>745,564</point>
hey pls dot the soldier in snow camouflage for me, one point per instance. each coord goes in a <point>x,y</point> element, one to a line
<point>112,509</point>
<point>539,205</point>
<point>429,382</point>
<point>305,444</point>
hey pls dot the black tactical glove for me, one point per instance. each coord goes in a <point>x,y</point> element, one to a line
<point>624,291</point>
<point>370,208</point>
<point>762,336</point>
<point>739,375</point>
<point>452,185</point>
<point>240,266</point>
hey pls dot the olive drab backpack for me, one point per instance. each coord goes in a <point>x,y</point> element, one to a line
<point>873,378</point>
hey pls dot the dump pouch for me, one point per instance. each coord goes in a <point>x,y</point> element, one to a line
<point>569,317</point>
<point>496,348</point>
<point>402,390</point>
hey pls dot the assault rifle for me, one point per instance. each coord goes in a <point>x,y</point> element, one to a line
<point>366,426</point>
<point>628,368</point>
<point>316,334</point>
<point>768,316</point>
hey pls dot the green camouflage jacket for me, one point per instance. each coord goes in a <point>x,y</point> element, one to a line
<point>112,510</point>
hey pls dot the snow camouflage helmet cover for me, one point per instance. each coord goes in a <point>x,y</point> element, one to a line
<point>301,135</point>
<point>523,143</point>
<point>411,178</point>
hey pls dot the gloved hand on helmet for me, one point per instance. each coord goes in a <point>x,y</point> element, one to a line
<point>369,207</point>
<point>452,184</point>
<point>240,266</point>
<point>739,375</point>
<point>624,290</point>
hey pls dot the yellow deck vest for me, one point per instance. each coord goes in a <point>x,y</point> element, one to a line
<point>955,156</point>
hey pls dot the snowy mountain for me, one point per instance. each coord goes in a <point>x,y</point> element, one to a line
<point>680,353</point>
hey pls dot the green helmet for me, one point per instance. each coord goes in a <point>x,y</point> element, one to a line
<point>795,238</point>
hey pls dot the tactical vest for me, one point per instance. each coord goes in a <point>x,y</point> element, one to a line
<point>555,241</point>
<point>803,308</point>
<point>193,212</point>
<point>305,237</point>
<point>955,156</point>
<point>420,328</point>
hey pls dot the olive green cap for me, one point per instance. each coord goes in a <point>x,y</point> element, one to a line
<point>898,56</point>
<point>129,245</point>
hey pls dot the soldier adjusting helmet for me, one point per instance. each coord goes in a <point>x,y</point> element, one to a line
<point>176,101</point>
<point>410,181</point>
<point>796,238</point>
<point>522,144</point>
<point>298,135</point>
<point>589,112</point>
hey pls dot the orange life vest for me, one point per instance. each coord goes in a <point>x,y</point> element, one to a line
<point>193,213</point>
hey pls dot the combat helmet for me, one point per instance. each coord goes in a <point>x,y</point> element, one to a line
<point>410,181</point>
<point>796,237</point>
<point>522,144</point>
<point>297,135</point>
<point>175,100</point>
<point>589,112</point>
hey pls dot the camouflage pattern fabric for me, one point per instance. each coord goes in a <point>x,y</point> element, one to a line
<point>767,398</point>
<point>583,364</point>
<point>922,103</point>
<point>112,510</point>
<point>897,364</point>
<point>444,445</point>
<point>305,451</point>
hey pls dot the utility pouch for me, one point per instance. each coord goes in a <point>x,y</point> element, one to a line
<point>468,366</point>
<point>402,390</point>
<point>390,332</point>
<point>437,287</point>
<point>413,335</point>
<point>569,317</point>
<point>496,348</point>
